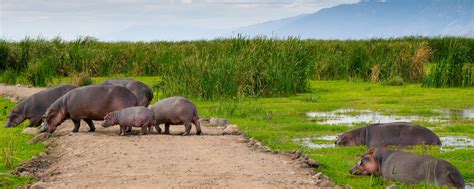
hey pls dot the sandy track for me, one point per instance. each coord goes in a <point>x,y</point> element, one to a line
<point>103,159</point>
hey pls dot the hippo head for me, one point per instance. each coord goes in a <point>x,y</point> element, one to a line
<point>109,120</point>
<point>345,139</point>
<point>51,119</point>
<point>15,118</point>
<point>367,165</point>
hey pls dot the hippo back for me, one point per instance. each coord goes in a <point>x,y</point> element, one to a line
<point>415,168</point>
<point>142,92</point>
<point>95,101</point>
<point>400,133</point>
<point>37,103</point>
<point>175,108</point>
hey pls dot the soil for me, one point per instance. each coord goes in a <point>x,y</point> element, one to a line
<point>103,159</point>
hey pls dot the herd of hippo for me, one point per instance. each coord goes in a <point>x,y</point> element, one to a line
<point>125,102</point>
<point>117,101</point>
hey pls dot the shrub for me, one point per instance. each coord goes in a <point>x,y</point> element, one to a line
<point>81,79</point>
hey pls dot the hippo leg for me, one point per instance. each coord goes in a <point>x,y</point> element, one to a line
<point>167,129</point>
<point>35,121</point>
<point>198,127</point>
<point>129,129</point>
<point>158,129</point>
<point>150,129</point>
<point>187,128</point>
<point>144,130</point>
<point>77,124</point>
<point>91,125</point>
<point>122,130</point>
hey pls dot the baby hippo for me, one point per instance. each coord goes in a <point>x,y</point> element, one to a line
<point>127,118</point>
<point>408,167</point>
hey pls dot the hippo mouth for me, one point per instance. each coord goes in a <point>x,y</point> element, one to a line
<point>45,128</point>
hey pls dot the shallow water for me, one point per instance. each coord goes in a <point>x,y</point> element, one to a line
<point>448,142</point>
<point>351,117</point>
<point>308,142</point>
<point>456,142</point>
<point>469,185</point>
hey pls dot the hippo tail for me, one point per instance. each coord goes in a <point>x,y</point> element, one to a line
<point>455,177</point>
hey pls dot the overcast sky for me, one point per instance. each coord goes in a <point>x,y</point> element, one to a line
<point>143,19</point>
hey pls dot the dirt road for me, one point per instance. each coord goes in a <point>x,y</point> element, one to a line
<point>103,159</point>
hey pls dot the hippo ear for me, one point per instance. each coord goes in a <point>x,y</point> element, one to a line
<point>15,111</point>
<point>371,151</point>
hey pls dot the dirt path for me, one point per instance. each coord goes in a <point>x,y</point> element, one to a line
<point>105,160</point>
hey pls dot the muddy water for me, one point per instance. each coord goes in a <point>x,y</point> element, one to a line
<point>351,117</point>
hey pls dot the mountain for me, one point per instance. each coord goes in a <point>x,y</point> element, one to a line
<point>375,19</point>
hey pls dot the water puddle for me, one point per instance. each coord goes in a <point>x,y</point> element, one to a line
<point>317,142</point>
<point>456,142</point>
<point>351,117</point>
<point>449,142</point>
<point>469,185</point>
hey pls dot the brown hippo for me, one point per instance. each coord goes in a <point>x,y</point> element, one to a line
<point>142,92</point>
<point>408,167</point>
<point>176,111</point>
<point>131,117</point>
<point>384,134</point>
<point>34,106</point>
<point>89,103</point>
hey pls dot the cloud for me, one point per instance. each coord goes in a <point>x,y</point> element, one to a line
<point>74,18</point>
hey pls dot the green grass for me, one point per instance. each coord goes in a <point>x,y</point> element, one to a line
<point>21,149</point>
<point>276,121</point>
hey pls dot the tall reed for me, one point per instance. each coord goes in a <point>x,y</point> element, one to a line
<point>241,66</point>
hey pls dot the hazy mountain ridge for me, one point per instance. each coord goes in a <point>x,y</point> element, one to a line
<point>375,18</point>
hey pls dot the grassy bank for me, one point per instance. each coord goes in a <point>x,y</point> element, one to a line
<point>14,149</point>
<point>276,121</point>
<point>242,67</point>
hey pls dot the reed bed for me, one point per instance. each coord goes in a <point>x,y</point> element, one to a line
<point>241,66</point>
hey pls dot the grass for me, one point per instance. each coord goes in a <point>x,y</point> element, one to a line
<point>276,121</point>
<point>14,149</point>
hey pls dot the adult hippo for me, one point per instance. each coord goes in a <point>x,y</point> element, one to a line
<point>408,167</point>
<point>176,111</point>
<point>384,134</point>
<point>89,103</point>
<point>142,92</point>
<point>34,106</point>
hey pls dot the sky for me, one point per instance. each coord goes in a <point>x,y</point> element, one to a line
<point>147,20</point>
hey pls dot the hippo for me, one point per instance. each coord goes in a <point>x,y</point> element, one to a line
<point>142,92</point>
<point>384,134</point>
<point>408,167</point>
<point>89,103</point>
<point>34,106</point>
<point>131,117</point>
<point>176,111</point>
